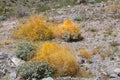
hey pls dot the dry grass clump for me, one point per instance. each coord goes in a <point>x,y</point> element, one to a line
<point>6,42</point>
<point>59,57</point>
<point>35,29</point>
<point>88,53</point>
<point>67,31</point>
<point>114,5</point>
<point>85,54</point>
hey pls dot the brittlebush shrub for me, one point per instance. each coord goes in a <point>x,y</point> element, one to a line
<point>35,69</point>
<point>35,29</point>
<point>25,50</point>
<point>59,57</point>
<point>67,31</point>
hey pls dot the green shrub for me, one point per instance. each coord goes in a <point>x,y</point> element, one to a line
<point>25,50</point>
<point>78,18</point>
<point>34,69</point>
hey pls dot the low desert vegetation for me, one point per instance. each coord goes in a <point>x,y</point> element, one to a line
<point>113,6</point>
<point>95,1</point>
<point>67,31</point>
<point>36,29</point>
<point>25,50</point>
<point>114,44</point>
<point>59,57</point>
<point>85,54</point>
<point>49,59</point>
<point>35,69</point>
<point>6,42</point>
<point>46,46</point>
<point>23,7</point>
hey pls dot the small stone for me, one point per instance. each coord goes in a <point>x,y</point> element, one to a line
<point>117,70</point>
<point>2,17</point>
<point>68,6</point>
<point>13,75</point>
<point>49,78</point>
<point>113,75</point>
<point>3,56</point>
<point>33,78</point>
<point>8,69</point>
<point>119,74</point>
<point>99,78</point>
<point>1,73</point>
<point>73,10</point>
<point>17,61</point>
<point>60,12</point>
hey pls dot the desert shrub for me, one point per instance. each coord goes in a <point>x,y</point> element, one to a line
<point>85,54</point>
<point>25,50</point>
<point>59,57</point>
<point>114,43</point>
<point>94,1</point>
<point>67,31</point>
<point>78,18</point>
<point>35,29</point>
<point>35,69</point>
<point>114,6</point>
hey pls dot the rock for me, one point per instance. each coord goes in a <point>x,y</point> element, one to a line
<point>8,69</point>
<point>49,78</point>
<point>117,70</point>
<point>60,12</point>
<point>33,78</point>
<point>73,10</point>
<point>119,74</point>
<point>99,78</point>
<point>17,61</point>
<point>1,73</point>
<point>2,17</point>
<point>68,6</point>
<point>113,75</point>
<point>13,75</point>
<point>3,56</point>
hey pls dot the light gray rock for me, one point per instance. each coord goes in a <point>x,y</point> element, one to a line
<point>49,78</point>
<point>9,69</point>
<point>13,75</point>
<point>3,56</point>
<point>33,78</point>
<point>16,61</point>
<point>2,73</point>
<point>113,75</point>
<point>117,70</point>
<point>73,10</point>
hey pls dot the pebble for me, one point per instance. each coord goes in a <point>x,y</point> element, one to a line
<point>2,55</point>
<point>49,78</point>
<point>117,70</point>
<point>113,75</point>
<point>2,73</point>
<point>17,61</point>
<point>13,75</point>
